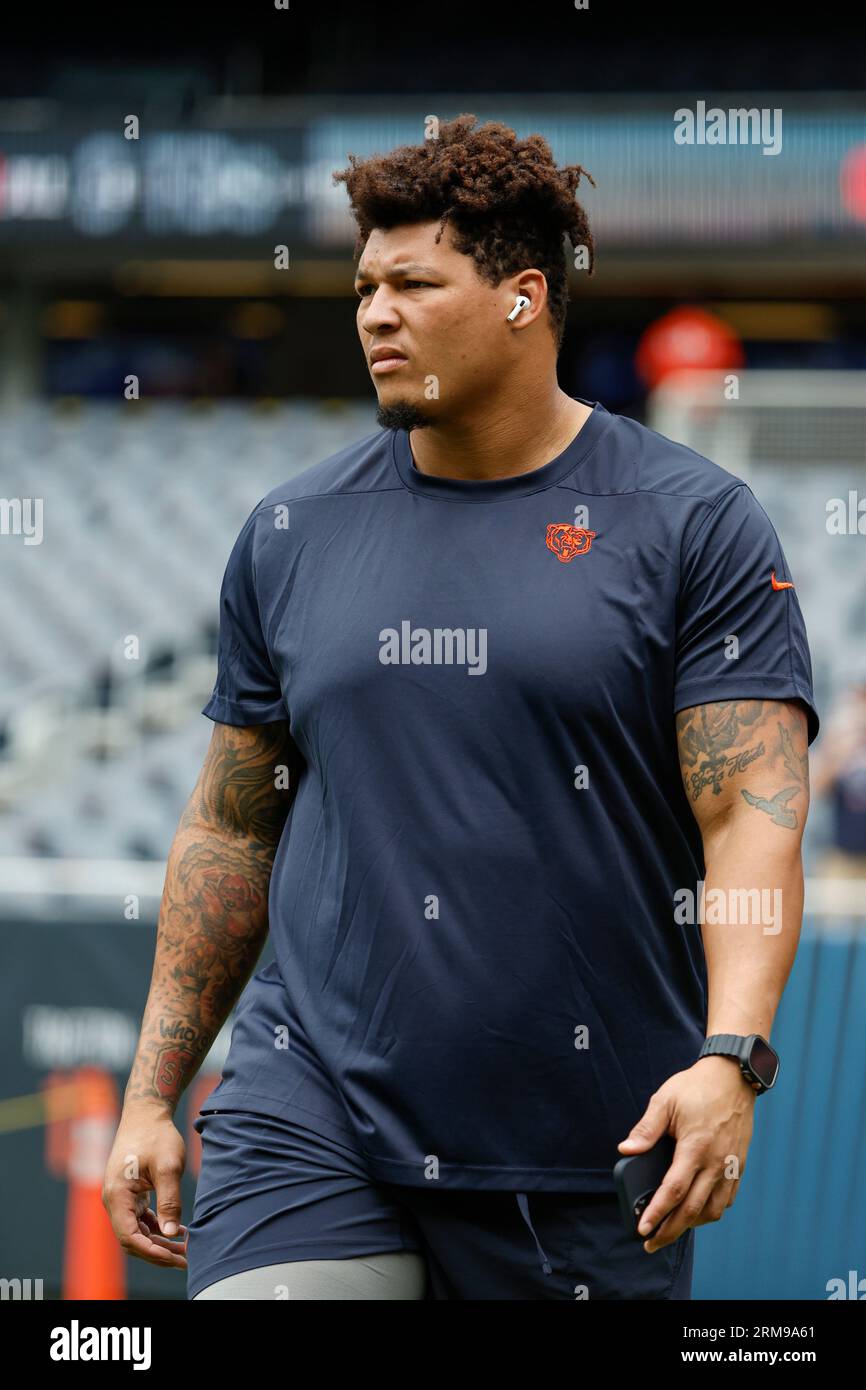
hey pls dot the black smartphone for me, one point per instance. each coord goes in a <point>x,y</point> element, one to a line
<point>637,1177</point>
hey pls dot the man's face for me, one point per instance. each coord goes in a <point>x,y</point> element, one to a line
<point>427,301</point>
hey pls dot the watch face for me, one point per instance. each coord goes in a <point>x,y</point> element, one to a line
<point>763,1061</point>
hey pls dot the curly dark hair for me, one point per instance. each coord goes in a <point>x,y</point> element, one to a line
<point>508,204</point>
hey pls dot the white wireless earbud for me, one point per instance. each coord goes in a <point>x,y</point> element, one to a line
<point>521,302</point>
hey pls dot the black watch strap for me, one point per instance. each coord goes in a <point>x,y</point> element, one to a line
<point>738,1046</point>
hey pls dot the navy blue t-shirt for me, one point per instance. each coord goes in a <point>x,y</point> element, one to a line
<point>479,979</point>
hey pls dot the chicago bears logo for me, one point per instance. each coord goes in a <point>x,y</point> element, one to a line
<point>566,540</point>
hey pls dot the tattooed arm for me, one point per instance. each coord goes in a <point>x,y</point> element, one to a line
<point>213,922</point>
<point>745,770</point>
<point>213,917</point>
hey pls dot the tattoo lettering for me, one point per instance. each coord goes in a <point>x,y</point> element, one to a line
<point>707,736</point>
<point>712,773</point>
<point>176,1030</point>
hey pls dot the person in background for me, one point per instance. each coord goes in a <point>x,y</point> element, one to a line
<point>839,772</point>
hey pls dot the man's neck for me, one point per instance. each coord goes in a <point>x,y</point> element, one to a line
<point>510,440</point>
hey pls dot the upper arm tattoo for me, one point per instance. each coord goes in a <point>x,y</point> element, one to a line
<point>248,781</point>
<point>756,749</point>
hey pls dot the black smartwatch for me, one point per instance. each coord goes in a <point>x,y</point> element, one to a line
<point>758,1062</point>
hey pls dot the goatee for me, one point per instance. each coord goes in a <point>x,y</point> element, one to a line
<point>402,415</point>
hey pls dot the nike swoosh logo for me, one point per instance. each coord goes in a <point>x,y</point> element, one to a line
<point>780,584</point>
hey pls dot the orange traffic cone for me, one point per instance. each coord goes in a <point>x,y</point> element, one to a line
<point>93,1261</point>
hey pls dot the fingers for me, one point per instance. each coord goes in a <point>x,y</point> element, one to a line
<point>167,1183</point>
<point>179,1247</point>
<point>672,1188</point>
<point>148,1223</point>
<point>650,1127</point>
<point>132,1230</point>
<point>688,1211</point>
<point>146,1248</point>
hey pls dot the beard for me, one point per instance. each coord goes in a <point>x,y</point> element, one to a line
<point>402,415</point>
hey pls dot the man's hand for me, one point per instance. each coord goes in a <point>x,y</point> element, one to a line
<point>148,1155</point>
<point>709,1110</point>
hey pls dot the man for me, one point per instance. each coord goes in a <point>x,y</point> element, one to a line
<point>500,687</point>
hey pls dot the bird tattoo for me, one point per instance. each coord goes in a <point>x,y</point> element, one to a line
<point>775,807</point>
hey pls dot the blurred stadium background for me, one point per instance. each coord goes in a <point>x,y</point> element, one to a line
<point>151,261</point>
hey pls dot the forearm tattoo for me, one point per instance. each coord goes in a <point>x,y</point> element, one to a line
<point>213,916</point>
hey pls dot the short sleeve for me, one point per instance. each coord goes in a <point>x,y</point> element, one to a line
<point>247,689</point>
<point>739,636</point>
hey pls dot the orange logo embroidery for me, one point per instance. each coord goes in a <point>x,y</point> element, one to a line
<point>780,583</point>
<point>566,540</point>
